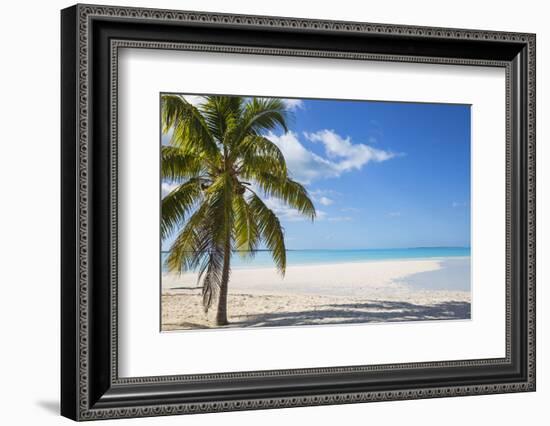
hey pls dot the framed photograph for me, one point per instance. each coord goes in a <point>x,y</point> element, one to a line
<point>264,212</point>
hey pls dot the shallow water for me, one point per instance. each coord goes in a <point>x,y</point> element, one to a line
<point>262,258</point>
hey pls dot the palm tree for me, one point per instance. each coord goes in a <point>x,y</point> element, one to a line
<point>219,157</point>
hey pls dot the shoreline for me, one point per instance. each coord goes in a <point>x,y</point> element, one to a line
<point>353,262</point>
<point>345,293</point>
<point>335,263</point>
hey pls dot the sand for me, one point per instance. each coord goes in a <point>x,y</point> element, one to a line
<point>390,290</point>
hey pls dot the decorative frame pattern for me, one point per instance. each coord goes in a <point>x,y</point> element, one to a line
<point>118,44</point>
<point>87,404</point>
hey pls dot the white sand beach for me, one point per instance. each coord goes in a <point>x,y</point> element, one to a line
<point>376,291</point>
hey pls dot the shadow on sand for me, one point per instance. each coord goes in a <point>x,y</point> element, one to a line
<point>353,313</point>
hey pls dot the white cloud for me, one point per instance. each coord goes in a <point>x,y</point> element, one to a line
<point>340,219</point>
<point>304,166</point>
<point>319,196</point>
<point>319,192</point>
<point>284,212</point>
<point>293,104</point>
<point>347,156</point>
<point>341,155</point>
<point>320,214</point>
<point>289,214</point>
<point>394,214</point>
<point>325,201</point>
<point>350,209</point>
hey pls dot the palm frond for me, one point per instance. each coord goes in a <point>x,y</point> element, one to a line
<point>271,231</point>
<point>192,243</point>
<point>246,233</point>
<point>261,114</point>
<point>212,270</point>
<point>254,146</point>
<point>190,130</point>
<point>219,198</point>
<point>219,221</point>
<point>177,165</point>
<point>218,150</point>
<point>221,114</point>
<point>177,204</point>
<point>291,192</point>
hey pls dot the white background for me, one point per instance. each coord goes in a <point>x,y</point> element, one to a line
<point>141,345</point>
<point>29,225</point>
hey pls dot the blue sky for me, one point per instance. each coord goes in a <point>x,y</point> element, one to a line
<point>382,174</point>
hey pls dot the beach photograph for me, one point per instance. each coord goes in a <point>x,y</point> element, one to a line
<point>279,212</point>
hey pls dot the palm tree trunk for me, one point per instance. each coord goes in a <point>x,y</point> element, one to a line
<point>221,309</point>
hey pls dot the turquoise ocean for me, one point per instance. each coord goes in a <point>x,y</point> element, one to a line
<point>262,258</point>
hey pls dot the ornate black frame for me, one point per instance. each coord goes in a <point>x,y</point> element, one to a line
<point>91,37</point>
